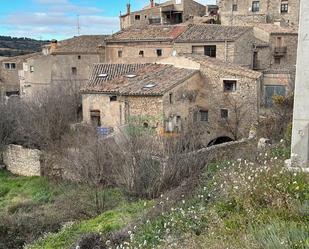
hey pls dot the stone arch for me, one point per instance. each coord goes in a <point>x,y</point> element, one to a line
<point>220,140</point>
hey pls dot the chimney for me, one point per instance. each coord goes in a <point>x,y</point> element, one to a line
<point>53,45</point>
<point>152,3</point>
<point>128,9</point>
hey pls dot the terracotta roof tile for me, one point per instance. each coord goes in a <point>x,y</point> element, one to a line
<point>148,33</point>
<point>212,32</point>
<point>152,79</point>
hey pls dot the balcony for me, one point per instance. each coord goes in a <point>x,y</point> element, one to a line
<point>280,51</point>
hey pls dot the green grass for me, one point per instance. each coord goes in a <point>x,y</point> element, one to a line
<point>15,190</point>
<point>103,224</point>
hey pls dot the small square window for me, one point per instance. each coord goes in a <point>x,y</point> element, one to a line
<point>159,52</point>
<point>141,53</point>
<point>112,98</point>
<point>284,8</point>
<point>7,65</point>
<point>210,50</point>
<point>79,57</point>
<point>229,85</point>
<point>224,113</point>
<point>235,7</point>
<point>74,71</point>
<point>119,53</point>
<point>13,65</point>
<point>137,17</point>
<point>277,61</point>
<point>203,116</point>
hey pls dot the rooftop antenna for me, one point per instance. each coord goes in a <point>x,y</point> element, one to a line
<point>78,25</point>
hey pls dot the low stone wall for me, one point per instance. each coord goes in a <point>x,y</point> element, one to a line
<point>22,161</point>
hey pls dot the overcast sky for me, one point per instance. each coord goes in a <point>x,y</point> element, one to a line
<point>57,19</point>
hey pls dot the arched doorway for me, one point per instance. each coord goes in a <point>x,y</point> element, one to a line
<point>219,140</point>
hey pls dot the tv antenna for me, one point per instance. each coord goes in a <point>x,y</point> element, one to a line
<point>78,25</point>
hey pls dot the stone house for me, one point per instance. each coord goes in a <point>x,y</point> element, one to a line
<point>169,12</point>
<point>248,12</point>
<point>61,62</point>
<point>10,74</point>
<point>230,44</point>
<point>175,91</point>
<point>275,55</point>
<point>143,44</point>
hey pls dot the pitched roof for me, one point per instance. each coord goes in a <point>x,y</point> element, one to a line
<point>111,71</point>
<point>212,32</point>
<point>21,57</point>
<point>151,79</point>
<point>80,44</point>
<point>148,33</point>
<point>210,62</point>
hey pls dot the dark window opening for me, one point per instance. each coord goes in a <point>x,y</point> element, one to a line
<point>229,85</point>
<point>273,90</point>
<point>137,17</point>
<point>79,57</point>
<point>112,98</point>
<point>74,71</point>
<point>171,98</point>
<point>119,53</point>
<point>224,113</point>
<point>145,17</point>
<point>210,51</point>
<point>255,6</point>
<point>284,8</point>
<point>277,61</point>
<point>95,118</point>
<point>141,53</point>
<point>235,7</point>
<point>145,125</point>
<point>203,115</point>
<point>159,52</point>
<point>10,66</point>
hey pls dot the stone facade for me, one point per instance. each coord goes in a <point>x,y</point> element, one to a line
<point>248,12</point>
<point>170,12</point>
<point>61,62</point>
<point>22,161</point>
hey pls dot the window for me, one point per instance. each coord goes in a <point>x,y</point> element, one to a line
<point>31,69</point>
<point>224,113</point>
<point>255,6</point>
<point>203,116</point>
<point>119,53</point>
<point>141,53</point>
<point>234,7</point>
<point>74,71</point>
<point>145,16</point>
<point>272,90</point>
<point>284,7</point>
<point>171,98</point>
<point>10,66</point>
<point>277,60</point>
<point>112,98</point>
<point>229,85</point>
<point>159,52</point>
<point>95,118</point>
<point>279,42</point>
<point>137,17</point>
<point>210,50</point>
<point>79,57</point>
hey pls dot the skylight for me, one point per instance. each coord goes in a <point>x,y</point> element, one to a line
<point>149,86</point>
<point>130,75</point>
<point>102,75</point>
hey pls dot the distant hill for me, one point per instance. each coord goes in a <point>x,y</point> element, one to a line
<point>13,46</point>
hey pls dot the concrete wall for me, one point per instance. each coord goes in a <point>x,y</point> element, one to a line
<point>130,52</point>
<point>22,161</point>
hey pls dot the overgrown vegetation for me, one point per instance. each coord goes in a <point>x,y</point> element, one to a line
<point>31,207</point>
<point>240,204</point>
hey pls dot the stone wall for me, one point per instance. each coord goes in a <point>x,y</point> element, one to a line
<point>22,161</point>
